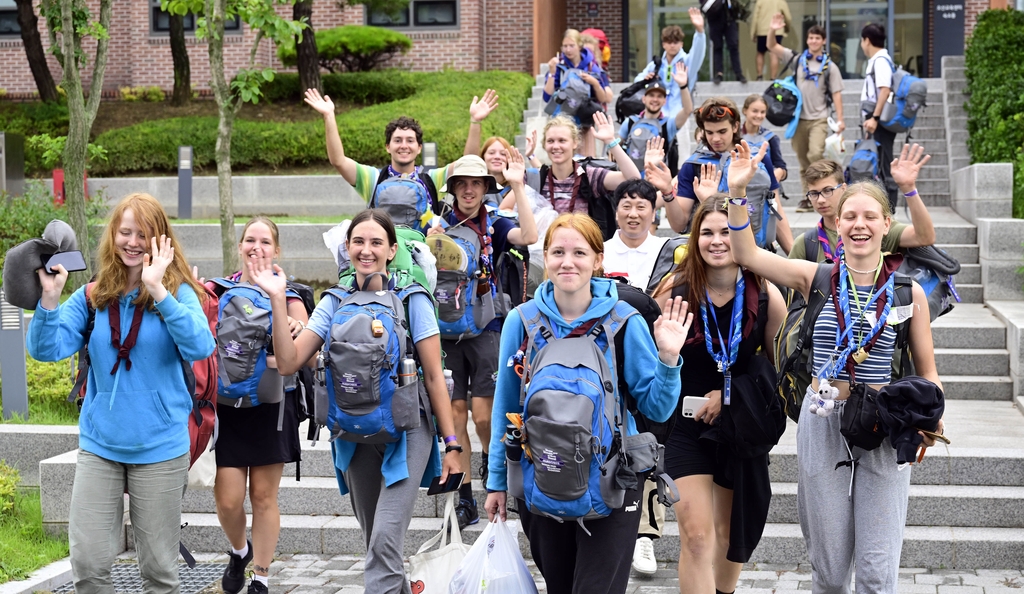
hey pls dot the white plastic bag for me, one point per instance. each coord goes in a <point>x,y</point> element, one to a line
<point>494,565</point>
<point>834,148</point>
<point>334,239</point>
<point>204,472</point>
<point>431,571</point>
<point>422,257</point>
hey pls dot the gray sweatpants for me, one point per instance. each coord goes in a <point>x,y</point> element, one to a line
<point>842,529</point>
<point>384,513</point>
<point>97,506</point>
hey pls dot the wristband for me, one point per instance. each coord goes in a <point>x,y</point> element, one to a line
<point>911,193</point>
<point>669,197</point>
<point>450,439</point>
<point>472,121</point>
<point>738,201</point>
<point>613,144</point>
<point>745,225</point>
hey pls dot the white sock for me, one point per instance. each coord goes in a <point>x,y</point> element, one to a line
<point>241,552</point>
<point>263,579</point>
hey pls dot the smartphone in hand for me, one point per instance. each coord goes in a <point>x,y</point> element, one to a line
<point>691,404</point>
<point>72,261</point>
<point>452,484</point>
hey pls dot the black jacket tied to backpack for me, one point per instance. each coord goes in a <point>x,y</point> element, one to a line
<point>906,406</point>
<point>745,432</point>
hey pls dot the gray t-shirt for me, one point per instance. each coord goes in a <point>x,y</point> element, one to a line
<point>813,91</point>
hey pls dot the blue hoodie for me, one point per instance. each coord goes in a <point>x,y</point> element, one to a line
<point>693,61</point>
<point>136,416</point>
<point>654,385</point>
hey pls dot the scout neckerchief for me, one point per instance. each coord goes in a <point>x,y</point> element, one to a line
<point>826,246</point>
<point>483,231</point>
<point>856,349</point>
<point>578,173</point>
<point>729,350</point>
<point>805,58</point>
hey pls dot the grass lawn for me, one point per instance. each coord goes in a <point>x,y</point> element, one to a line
<point>24,547</point>
<point>48,387</point>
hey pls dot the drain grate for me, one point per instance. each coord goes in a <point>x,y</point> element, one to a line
<point>127,579</point>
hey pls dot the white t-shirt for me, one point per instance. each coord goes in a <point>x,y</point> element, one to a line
<point>880,69</point>
<point>637,263</point>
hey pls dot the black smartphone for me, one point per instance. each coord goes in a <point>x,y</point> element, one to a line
<point>72,261</point>
<point>452,484</point>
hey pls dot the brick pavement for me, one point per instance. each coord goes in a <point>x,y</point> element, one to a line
<point>342,574</point>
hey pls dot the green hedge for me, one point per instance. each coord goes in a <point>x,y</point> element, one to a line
<point>363,88</point>
<point>441,104</point>
<point>995,82</point>
<point>30,119</point>
<point>352,48</point>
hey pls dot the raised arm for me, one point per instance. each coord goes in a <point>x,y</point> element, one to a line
<point>605,132</point>
<point>290,354</point>
<point>778,23</point>
<point>905,169</point>
<point>526,233</point>
<point>335,151</point>
<point>479,109</point>
<point>549,80</point>
<point>796,274</point>
<point>682,78</point>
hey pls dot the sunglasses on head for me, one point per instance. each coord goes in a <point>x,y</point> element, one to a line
<point>717,112</point>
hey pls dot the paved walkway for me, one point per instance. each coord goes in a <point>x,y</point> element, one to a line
<point>343,574</point>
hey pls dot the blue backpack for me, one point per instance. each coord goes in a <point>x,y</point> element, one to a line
<point>572,94</point>
<point>363,354</point>
<point>909,95</point>
<point>406,199</point>
<point>466,298</point>
<point>863,165</point>
<point>244,331</point>
<point>578,461</point>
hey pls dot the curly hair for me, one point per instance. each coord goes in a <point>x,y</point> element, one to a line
<point>719,109</point>
<point>403,123</point>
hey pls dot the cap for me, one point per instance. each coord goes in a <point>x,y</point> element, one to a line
<point>470,166</point>
<point>655,85</point>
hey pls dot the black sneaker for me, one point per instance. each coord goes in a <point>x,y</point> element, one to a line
<point>234,573</point>
<point>718,79</point>
<point>742,79</point>
<point>467,514</point>
<point>257,587</point>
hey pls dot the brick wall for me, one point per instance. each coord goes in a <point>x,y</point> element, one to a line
<point>972,8</point>
<point>608,19</point>
<point>138,58</point>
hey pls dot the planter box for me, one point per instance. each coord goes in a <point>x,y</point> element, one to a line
<point>25,446</point>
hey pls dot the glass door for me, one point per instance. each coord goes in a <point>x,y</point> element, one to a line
<point>845,21</point>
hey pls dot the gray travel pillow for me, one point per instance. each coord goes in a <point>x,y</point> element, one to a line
<point>21,284</point>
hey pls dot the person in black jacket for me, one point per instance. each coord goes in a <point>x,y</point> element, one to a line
<point>723,27</point>
<point>739,314</point>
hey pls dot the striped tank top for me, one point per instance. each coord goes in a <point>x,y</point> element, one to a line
<point>877,368</point>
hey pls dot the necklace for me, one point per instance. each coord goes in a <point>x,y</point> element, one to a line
<point>717,292</point>
<point>852,269</point>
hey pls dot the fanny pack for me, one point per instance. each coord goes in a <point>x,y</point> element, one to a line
<point>860,423</point>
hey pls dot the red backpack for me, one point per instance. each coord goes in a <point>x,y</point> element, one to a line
<point>200,376</point>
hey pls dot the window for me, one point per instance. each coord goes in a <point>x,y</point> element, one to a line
<point>420,13</point>
<point>160,21</point>
<point>9,26</point>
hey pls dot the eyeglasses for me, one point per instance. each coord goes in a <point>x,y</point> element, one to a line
<point>717,112</point>
<point>824,193</point>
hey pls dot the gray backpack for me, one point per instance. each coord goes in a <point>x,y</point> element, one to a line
<point>760,200</point>
<point>573,93</point>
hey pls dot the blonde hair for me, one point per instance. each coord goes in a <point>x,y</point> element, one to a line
<point>582,224</point>
<point>575,35</point>
<point>112,274</point>
<point>565,122</point>
<point>871,189</point>
<point>271,225</point>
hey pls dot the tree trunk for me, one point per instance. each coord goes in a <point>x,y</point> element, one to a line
<point>81,114</point>
<point>308,60</point>
<point>34,51</point>
<point>179,55</point>
<point>222,151</point>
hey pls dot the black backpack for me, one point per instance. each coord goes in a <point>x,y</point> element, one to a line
<point>512,271</point>
<point>630,101</point>
<point>306,390</point>
<point>601,210</point>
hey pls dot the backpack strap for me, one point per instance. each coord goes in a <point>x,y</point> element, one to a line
<point>811,246</point>
<point>531,317</point>
<point>83,353</point>
<point>612,324</point>
<point>381,177</point>
<point>821,290</point>
<point>428,181</point>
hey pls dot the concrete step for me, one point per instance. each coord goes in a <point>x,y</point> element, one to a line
<point>949,547</point>
<point>956,86</point>
<point>959,162</point>
<point>971,293</point>
<point>992,507</point>
<point>969,326</point>
<point>950,73</point>
<point>969,274</point>
<point>963,252</point>
<point>994,362</point>
<point>976,387</point>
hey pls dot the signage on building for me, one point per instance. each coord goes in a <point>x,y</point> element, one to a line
<point>591,9</point>
<point>947,31</point>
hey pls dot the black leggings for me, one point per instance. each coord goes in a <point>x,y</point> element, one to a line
<point>728,31</point>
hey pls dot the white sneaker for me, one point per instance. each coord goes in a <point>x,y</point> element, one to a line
<point>643,557</point>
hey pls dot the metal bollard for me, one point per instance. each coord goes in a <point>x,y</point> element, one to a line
<point>184,182</point>
<point>12,359</point>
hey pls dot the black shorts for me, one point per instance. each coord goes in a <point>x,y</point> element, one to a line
<point>249,437</point>
<point>762,43</point>
<point>687,455</point>
<point>473,363</point>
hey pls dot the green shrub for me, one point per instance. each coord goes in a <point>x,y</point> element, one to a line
<point>363,88</point>
<point>150,94</point>
<point>995,82</point>
<point>352,48</point>
<point>29,119</point>
<point>441,103</point>
<point>9,478</point>
<point>26,216</point>
<point>48,387</point>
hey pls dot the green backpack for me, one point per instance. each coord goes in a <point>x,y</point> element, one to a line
<point>403,267</point>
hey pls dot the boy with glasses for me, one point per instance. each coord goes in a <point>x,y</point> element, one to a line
<point>826,188</point>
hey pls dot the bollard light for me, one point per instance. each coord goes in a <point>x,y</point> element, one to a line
<point>184,182</point>
<point>430,154</point>
<point>12,359</point>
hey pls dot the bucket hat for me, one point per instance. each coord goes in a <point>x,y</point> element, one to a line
<point>470,166</point>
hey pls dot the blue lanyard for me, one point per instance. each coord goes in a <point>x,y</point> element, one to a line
<point>726,358</point>
<point>837,361</point>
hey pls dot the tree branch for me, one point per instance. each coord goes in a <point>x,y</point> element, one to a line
<point>100,64</point>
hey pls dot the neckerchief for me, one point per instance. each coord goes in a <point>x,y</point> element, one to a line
<point>826,246</point>
<point>841,356</point>
<point>483,231</point>
<point>807,57</point>
<point>575,187</point>
<point>729,350</point>
<point>123,349</point>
